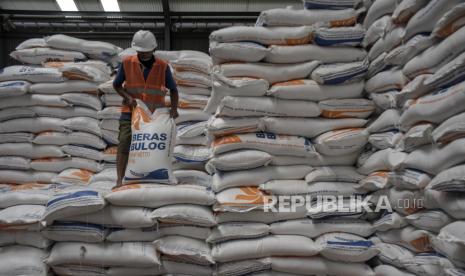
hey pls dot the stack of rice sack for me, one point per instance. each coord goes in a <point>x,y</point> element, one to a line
<point>289,120</point>
<point>416,81</point>
<point>191,71</point>
<point>51,143</point>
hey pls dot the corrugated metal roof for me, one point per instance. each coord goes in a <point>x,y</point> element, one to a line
<point>88,5</point>
<point>228,5</point>
<point>140,5</point>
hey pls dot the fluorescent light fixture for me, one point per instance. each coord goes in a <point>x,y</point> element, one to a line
<point>110,5</point>
<point>67,5</point>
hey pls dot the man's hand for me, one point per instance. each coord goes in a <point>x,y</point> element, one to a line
<point>174,113</point>
<point>129,101</point>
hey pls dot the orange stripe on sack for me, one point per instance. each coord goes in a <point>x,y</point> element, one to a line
<point>289,83</point>
<point>227,140</point>
<point>343,22</point>
<point>422,244</point>
<point>126,187</point>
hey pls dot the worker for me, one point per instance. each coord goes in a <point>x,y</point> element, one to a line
<point>144,77</point>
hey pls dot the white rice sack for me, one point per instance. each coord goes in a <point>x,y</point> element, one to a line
<point>239,160</point>
<point>238,51</point>
<point>184,214</point>
<point>118,217</point>
<point>39,55</point>
<point>428,264</point>
<point>60,164</point>
<point>13,88</point>
<point>338,73</point>
<point>417,136</point>
<point>383,160</point>
<point>264,35</point>
<point>84,152</point>
<point>185,249</point>
<point>425,19</point>
<point>388,120</point>
<point>268,142</point>
<point>25,194</point>
<point>273,245</point>
<point>31,74</point>
<point>193,177</point>
<point>444,51</point>
<point>450,22</point>
<point>241,199</point>
<point>195,64</point>
<point>71,203</point>
<point>377,30</point>
<point>449,180</point>
<point>406,9</point>
<point>242,86</point>
<point>74,177</point>
<point>90,71</point>
<point>64,87</point>
<point>233,231</point>
<point>377,10</point>
<point>161,230</point>
<point>112,100</point>
<point>346,247</point>
<point>184,268</point>
<point>110,124</point>
<point>111,137</point>
<point>83,99</point>
<point>342,36</point>
<point>15,113</point>
<point>152,195</point>
<point>191,129</point>
<point>227,126</point>
<point>23,177</point>
<point>310,90</point>
<point>75,137</point>
<point>429,220</point>
<point>21,237</point>
<point>17,137</point>
<point>375,181</point>
<point>21,217</point>
<point>30,150</point>
<point>309,127</point>
<point>295,17</point>
<point>450,242</point>
<point>403,201</point>
<point>318,160</point>
<point>334,173</point>
<point>346,108</point>
<point>387,270</point>
<point>260,216</point>
<point>341,142</point>
<point>309,52</point>
<point>385,81</point>
<point>271,72</point>
<point>71,231</point>
<point>377,65</point>
<point>390,221</point>
<point>64,112</point>
<point>191,90</point>
<point>384,140</point>
<point>135,254</point>
<point>410,179</point>
<point>191,114</point>
<point>434,159</point>
<point>413,90</point>
<point>19,260</point>
<point>85,124</point>
<point>452,203</point>
<point>392,254</point>
<point>409,237</point>
<point>191,78</point>
<point>405,52</point>
<point>95,49</point>
<point>15,163</point>
<point>319,266</point>
<point>315,228</point>
<point>31,43</point>
<point>255,177</point>
<point>266,106</point>
<point>151,146</point>
<point>447,75</point>
<point>391,40</point>
<point>110,112</point>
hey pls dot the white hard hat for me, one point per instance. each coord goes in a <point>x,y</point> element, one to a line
<point>144,41</point>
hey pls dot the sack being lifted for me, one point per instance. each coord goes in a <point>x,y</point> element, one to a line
<point>151,147</point>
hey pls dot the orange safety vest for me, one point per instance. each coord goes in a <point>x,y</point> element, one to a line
<point>149,91</point>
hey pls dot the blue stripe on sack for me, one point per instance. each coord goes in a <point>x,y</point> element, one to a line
<point>15,83</point>
<point>353,243</point>
<point>327,42</point>
<point>189,160</point>
<point>73,195</point>
<point>160,174</point>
